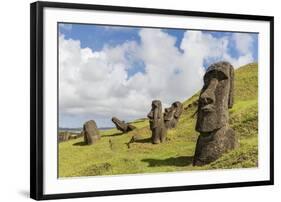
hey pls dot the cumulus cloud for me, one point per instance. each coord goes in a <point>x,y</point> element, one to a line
<point>66,27</point>
<point>243,42</point>
<point>98,84</point>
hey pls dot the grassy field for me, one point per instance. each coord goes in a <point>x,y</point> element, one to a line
<point>113,155</point>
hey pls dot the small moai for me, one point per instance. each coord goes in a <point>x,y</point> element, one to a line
<point>172,115</point>
<point>216,97</point>
<point>122,126</point>
<point>156,122</point>
<point>64,136</point>
<point>90,132</point>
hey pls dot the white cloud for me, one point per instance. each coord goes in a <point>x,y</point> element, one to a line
<point>66,27</point>
<point>98,83</point>
<point>118,28</point>
<point>243,42</point>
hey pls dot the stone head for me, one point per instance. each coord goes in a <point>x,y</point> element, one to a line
<point>115,120</point>
<point>169,113</point>
<point>156,110</point>
<point>216,97</point>
<point>177,109</point>
<point>155,115</point>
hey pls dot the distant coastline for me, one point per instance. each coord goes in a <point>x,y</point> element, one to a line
<point>78,130</point>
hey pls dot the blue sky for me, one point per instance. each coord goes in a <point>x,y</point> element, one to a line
<point>126,57</point>
<point>96,36</point>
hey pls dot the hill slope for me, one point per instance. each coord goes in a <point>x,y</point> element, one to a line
<point>112,154</point>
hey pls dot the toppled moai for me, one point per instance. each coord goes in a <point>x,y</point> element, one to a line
<point>156,122</point>
<point>122,126</point>
<point>172,115</point>
<point>216,97</point>
<point>90,132</point>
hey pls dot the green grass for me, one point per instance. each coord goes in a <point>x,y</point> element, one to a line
<point>111,155</point>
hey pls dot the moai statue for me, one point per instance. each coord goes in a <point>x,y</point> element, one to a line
<point>216,97</point>
<point>122,126</point>
<point>90,132</point>
<point>168,117</point>
<point>172,115</point>
<point>156,122</point>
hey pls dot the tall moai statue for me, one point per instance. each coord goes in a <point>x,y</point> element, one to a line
<point>90,132</point>
<point>156,122</point>
<point>172,115</point>
<point>122,126</point>
<point>216,97</point>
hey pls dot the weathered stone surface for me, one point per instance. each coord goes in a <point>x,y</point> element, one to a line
<point>172,115</point>
<point>63,136</point>
<point>122,126</point>
<point>210,146</point>
<point>215,99</point>
<point>66,135</point>
<point>90,132</point>
<point>156,122</point>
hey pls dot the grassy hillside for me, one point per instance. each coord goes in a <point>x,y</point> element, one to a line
<point>112,154</point>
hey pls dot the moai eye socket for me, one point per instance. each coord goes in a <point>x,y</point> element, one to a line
<point>219,75</point>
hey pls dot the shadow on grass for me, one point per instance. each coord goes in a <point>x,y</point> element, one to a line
<point>146,140</point>
<point>80,144</point>
<point>173,161</point>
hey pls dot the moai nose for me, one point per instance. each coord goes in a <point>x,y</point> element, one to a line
<point>208,96</point>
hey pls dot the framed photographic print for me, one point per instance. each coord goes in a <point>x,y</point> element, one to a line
<point>131,100</point>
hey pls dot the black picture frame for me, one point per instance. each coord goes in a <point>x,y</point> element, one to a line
<point>36,98</point>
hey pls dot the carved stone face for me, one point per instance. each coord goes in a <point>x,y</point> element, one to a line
<point>172,115</point>
<point>173,112</point>
<point>156,122</point>
<point>215,98</point>
<point>169,113</point>
<point>116,121</point>
<point>121,125</point>
<point>155,115</point>
<point>178,109</point>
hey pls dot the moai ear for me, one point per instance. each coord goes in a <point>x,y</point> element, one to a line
<point>159,110</point>
<point>155,113</point>
<point>231,89</point>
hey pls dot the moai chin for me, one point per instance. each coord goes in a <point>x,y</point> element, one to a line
<point>216,97</point>
<point>90,132</point>
<point>172,115</point>
<point>122,126</point>
<point>156,122</point>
